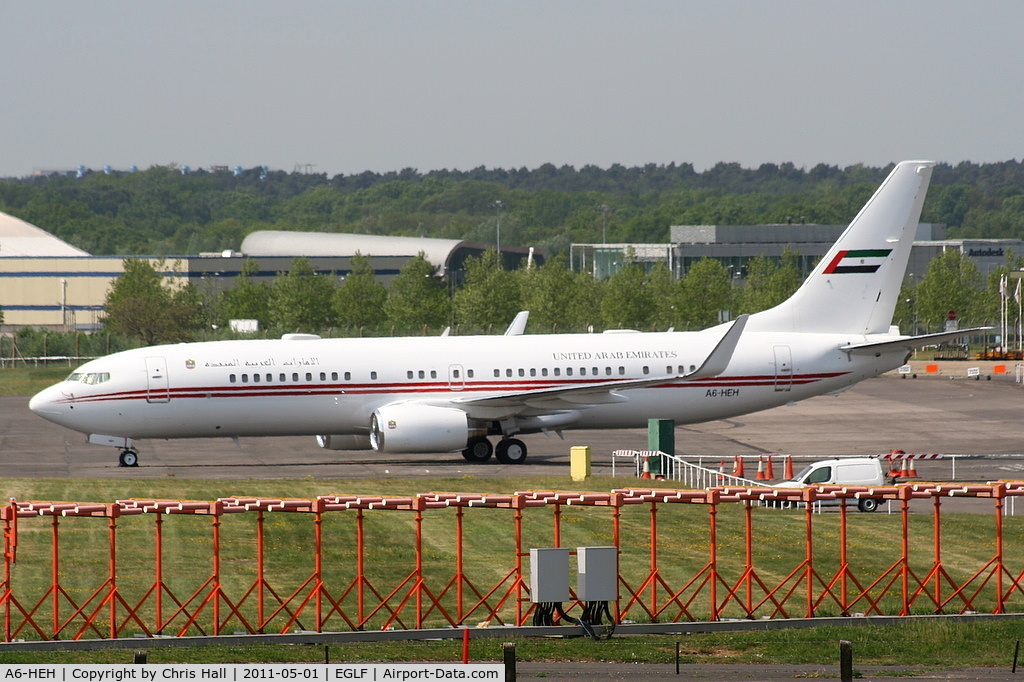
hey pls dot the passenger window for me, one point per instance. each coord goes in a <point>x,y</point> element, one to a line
<point>668,370</point>
<point>622,371</point>
<point>421,374</point>
<point>255,378</point>
<point>558,371</point>
<point>543,371</point>
<point>348,376</point>
<point>469,373</point>
<point>647,370</point>
<point>334,376</point>
<point>593,370</point>
<point>568,371</point>
<point>295,376</point>
<point>608,371</point>
<point>497,373</point>
<point>309,376</point>
<point>282,378</point>
<point>508,372</point>
<point>455,374</point>
<point>245,378</point>
<point>373,375</point>
<point>522,372</point>
<point>533,371</point>
<point>408,374</point>
<point>270,377</point>
<point>323,376</point>
<point>231,378</point>
<point>433,374</point>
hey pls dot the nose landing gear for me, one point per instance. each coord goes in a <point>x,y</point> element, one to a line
<point>128,458</point>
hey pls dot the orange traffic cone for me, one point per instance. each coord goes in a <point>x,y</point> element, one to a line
<point>905,469</point>
<point>646,473</point>
<point>760,469</point>
<point>721,472</point>
<point>789,467</point>
<point>769,471</point>
<point>911,471</point>
<point>737,469</point>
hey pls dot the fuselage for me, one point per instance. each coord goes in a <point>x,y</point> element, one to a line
<point>332,386</point>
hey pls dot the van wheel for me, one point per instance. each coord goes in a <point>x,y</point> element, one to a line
<point>868,504</point>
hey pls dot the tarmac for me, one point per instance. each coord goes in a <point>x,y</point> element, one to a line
<point>945,413</point>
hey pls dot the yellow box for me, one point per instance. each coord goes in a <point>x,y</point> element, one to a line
<point>579,462</point>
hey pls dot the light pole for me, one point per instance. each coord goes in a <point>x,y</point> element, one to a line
<point>498,205</point>
<point>604,208</point>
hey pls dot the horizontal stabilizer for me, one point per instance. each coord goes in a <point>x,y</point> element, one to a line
<point>909,342</point>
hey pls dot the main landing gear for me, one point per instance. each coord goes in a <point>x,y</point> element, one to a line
<point>508,450</point>
<point>128,458</point>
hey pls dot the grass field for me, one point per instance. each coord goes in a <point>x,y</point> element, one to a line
<point>683,538</point>
<point>936,645</point>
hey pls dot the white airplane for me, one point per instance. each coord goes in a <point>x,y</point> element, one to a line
<point>447,394</point>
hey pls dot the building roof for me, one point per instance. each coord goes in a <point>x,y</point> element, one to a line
<point>310,244</point>
<point>19,238</point>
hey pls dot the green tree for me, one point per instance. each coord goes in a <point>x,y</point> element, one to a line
<point>952,282</point>
<point>416,298</point>
<point>769,283</point>
<point>247,299</point>
<point>302,300</point>
<point>557,298</point>
<point>140,304</point>
<point>489,297</point>
<point>359,301</point>
<point>628,300</point>
<point>706,290</point>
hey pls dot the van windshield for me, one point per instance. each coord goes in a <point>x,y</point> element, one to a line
<point>819,475</point>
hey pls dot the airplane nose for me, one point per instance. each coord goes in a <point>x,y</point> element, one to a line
<point>44,403</point>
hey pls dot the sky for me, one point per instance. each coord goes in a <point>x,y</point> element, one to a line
<point>349,86</point>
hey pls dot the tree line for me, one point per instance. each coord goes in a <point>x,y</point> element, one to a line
<point>163,211</point>
<point>144,307</point>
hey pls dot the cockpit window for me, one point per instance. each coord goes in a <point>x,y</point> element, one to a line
<point>89,377</point>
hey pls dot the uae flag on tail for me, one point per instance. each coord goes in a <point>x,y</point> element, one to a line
<point>864,260</point>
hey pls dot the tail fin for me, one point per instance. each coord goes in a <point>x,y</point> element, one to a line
<point>854,287</point>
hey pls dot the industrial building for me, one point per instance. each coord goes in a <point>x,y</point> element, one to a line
<point>48,283</point>
<point>736,245</point>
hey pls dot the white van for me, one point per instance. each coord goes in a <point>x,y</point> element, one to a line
<point>866,471</point>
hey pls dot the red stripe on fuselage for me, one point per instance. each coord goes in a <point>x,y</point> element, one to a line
<point>278,391</point>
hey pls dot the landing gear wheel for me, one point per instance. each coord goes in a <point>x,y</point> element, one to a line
<point>128,458</point>
<point>511,451</point>
<point>478,450</point>
<point>868,504</point>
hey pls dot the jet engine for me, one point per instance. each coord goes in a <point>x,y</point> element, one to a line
<point>410,427</point>
<point>346,442</point>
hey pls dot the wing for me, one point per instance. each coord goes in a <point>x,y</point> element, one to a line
<point>569,397</point>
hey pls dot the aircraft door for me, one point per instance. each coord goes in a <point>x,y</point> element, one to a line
<point>158,389</point>
<point>456,377</point>
<point>783,368</point>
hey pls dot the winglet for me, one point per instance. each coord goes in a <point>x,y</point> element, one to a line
<point>718,360</point>
<point>518,326</point>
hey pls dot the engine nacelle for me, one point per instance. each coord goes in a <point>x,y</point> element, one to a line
<point>418,428</point>
<point>346,442</point>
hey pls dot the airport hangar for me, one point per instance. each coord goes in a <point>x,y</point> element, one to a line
<point>48,283</point>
